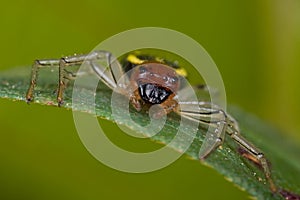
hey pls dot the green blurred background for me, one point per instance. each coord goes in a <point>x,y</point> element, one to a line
<point>255,44</point>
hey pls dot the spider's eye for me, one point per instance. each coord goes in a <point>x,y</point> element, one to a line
<point>174,80</point>
<point>142,69</point>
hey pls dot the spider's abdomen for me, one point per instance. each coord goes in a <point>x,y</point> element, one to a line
<point>153,94</point>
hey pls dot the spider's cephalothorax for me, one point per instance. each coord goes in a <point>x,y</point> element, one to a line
<point>155,83</point>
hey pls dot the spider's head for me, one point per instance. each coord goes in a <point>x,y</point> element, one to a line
<point>155,81</point>
<point>158,74</point>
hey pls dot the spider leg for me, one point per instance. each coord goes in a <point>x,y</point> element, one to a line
<point>167,106</point>
<point>34,75</point>
<point>208,114</point>
<point>103,63</point>
<point>253,151</point>
<point>109,70</point>
<point>211,115</point>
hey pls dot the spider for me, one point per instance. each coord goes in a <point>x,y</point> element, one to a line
<point>156,82</point>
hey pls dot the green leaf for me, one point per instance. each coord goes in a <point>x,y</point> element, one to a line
<point>282,153</point>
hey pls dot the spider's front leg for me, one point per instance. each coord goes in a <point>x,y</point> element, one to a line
<point>250,151</point>
<point>102,63</point>
<point>64,75</point>
<point>222,123</point>
<point>209,114</point>
<point>34,75</point>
